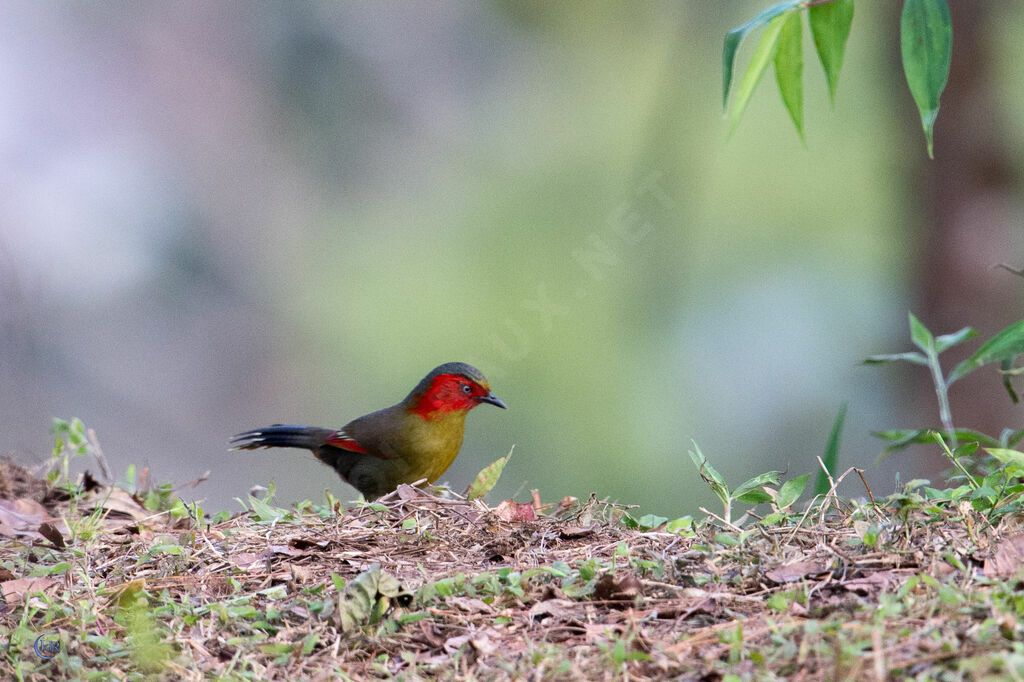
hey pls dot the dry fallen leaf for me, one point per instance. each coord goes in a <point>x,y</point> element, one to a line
<point>510,510</point>
<point>1008,559</point>
<point>607,588</point>
<point>116,501</point>
<point>15,591</point>
<point>796,571</point>
<point>52,534</point>
<point>470,604</point>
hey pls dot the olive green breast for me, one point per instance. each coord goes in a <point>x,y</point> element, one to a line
<point>430,446</point>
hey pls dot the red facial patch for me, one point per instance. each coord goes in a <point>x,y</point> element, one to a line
<point>447,393</point>
<point>340,440</point>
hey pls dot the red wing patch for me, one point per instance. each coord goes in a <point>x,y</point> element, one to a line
<point>338,439</point>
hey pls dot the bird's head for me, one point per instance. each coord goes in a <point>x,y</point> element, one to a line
<point>451,387</point>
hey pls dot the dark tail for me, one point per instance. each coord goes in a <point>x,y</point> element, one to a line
<point>282,436</point>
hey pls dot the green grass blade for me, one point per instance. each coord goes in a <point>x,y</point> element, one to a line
<point>831,458</point>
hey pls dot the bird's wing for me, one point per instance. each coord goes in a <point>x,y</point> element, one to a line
<point>366,444</point>
<point>376,434</point>
<point>341,440</point>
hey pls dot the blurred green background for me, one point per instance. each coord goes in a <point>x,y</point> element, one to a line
<point>218,216</point>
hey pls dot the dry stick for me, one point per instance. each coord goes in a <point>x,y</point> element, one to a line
<point>97,452</point>
<point>801,523</point>
<point>711,513</point>
<point>191,484</point>
<point>874,505</point>
<point>832,490</point>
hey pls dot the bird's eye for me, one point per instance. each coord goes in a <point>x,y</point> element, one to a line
<point>467,389</point>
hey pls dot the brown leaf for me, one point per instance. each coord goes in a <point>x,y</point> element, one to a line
<point>15,591</point>
<point>303,543</point>
<point>562,609</point>
<point>469,604</point>
<point>877,581</point>
<point>5,575</point>
<point>286,550</point>
<point>567,532</point>
<point>1007,560</point>
<point>89,482</point>
<point>609,589</point>
<point>510,510</point>
<point>247,561</point>
<point>408,492</point>
<point>52,534</point>
<point>796,571</point>
<point>117,501</point>
<point>23,516</point>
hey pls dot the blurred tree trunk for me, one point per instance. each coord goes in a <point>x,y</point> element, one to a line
<point>969,210</point>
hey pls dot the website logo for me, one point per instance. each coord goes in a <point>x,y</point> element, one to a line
<point>47,646</point>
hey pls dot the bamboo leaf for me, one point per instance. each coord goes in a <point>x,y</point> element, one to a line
<point>830,26</point>
<point>949,340</point>
<point>920,335</point>
<point>763,54</point>
<point>913,356</point>
<point>734,37</point>
<point>790,491</point>
<point>789,69</point>
<point>1007,344</point>
<point>926,41</point>
<point>1007,456</point>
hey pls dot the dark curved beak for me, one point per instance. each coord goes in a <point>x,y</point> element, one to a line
<point>493,400</point>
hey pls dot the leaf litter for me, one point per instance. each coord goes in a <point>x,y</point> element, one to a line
<point>417,585</point>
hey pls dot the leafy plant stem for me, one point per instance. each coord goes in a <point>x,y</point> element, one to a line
<point>941,392</point>
<point>949,453</point>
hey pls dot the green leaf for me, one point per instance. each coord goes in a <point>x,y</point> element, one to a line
<point>683,523</point>
<point>926,41</point>
<point>790,491</point>
<point>789,69</point>
<point>920,335</point>
<point>965,450</point>
<point>366,597</point>
<point>755,496</point>
<point>1008,371</point>
<point>649,521</point>
<point>309,643</point>
<point>831,457</point>
<point>749,491</point>
<point>708,473</point>
<point>487,478</point>
<point>949,340</point>
<point>1007,456</point>
<point>912,356</point>
<point>1005,345</point>
<point>903,438</point>
<point>734,37</point>
<point>763,54</point>
<point>830,26</point>
<point>265,512</point>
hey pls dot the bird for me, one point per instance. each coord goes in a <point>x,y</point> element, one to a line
<point>417,438</point>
